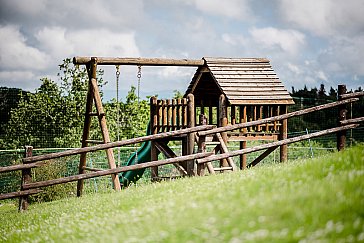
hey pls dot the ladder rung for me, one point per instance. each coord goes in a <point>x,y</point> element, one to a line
<point>93,169</point>
<point>223,168</point>
<point>95,141</point>
<point>96,114</point>
<point>212,143</point>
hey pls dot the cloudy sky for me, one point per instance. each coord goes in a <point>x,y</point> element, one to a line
<point>308,42</point>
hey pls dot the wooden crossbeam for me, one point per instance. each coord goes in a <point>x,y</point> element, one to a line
<point>139,61</point>
<point>167,151</point>
<point>262,156</point>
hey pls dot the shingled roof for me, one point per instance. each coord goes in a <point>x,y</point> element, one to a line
<point>242,80</point>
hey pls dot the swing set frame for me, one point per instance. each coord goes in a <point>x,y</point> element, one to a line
<point>93,98</point>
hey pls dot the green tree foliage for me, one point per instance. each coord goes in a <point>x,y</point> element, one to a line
<point>133,117</point>
<point>322,119</point>
<point>53,115</point>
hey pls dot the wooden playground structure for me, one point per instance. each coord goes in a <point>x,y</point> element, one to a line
<point>228,99</point>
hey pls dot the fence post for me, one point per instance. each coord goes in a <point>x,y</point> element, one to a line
<point>223,121</point>
<point>26,177</point>
<point>202,146</point>
<point>190,136</point>
<point>283,134</point>
<point>341,135</point>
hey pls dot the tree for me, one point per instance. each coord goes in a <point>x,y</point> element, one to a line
<point>53,115</point>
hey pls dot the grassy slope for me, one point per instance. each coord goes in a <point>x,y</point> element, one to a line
<point>321,199</point>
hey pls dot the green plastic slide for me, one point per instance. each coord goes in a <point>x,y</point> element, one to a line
<point>141,156</point>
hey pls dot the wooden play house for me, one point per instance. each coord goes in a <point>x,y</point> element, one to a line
<point>238,90</point>
<point>226,91</point>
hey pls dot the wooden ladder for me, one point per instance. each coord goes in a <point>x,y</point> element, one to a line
<point>220,147</point>
<point>93,97</point>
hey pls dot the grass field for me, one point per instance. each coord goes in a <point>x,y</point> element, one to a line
<point>307,201</point>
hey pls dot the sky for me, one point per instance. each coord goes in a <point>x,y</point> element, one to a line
<point>309,42</point>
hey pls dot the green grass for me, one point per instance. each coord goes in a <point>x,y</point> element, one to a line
<point>307,201</point>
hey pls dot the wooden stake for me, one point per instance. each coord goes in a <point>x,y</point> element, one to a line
<point>341,135</point>
<point>26,178</point>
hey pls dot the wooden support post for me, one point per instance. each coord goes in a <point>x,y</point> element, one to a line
<point>283,134</point>
<point>341,135</point>
<point>154,122</point>
<point>202,146</point>
<point>222,123</point>
<point>91,68</point>
<point>242,156</point>
<point>26,177</point>
<point>105,133</point>
<point>190,136</point>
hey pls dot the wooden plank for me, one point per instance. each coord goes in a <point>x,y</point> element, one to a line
<point>21,166</point>
<point>226,83</point>
<point>352,95</point>
<point>239,65</point>
<point>233,88</point>
<point>116,170</point>
<point>274,144</point>
<point>251,76</point>
<point>19,194</point>
<point>247,72</point>
<point>262,97</point>
<point>214,68</point>
<point>262,81</point>
<point>235,60</point>
<point>277,118</point>
<point>260,102</point>
<point>349,121</point>
<point>271,93</point>
<point>140,61</point>
<point>223,168</point>
<point>116,144</point>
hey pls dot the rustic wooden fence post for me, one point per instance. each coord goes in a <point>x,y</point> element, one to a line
<point>341,135</point>
<point>283,134</point>
<point>154,120</point>
<point>223,122</point>
<point>26,177</point>
<point>202,146</point>
<point>190,136</point>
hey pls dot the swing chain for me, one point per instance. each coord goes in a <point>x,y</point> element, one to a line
<point>117,108</point>
<point>139,75</point>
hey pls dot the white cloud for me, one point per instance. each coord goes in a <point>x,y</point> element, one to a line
<point>325,17</point>
<point>103,42</point>
<point>321,75</point>
<point>235,9</point>
<point>290,41</point>
<point>234,39</point>
<point>15,53</point>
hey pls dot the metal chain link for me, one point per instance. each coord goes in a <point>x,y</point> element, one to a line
<point>117,73</point>
<point>139,75</point>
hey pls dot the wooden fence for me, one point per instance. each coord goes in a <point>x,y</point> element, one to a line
<point>202,157</point>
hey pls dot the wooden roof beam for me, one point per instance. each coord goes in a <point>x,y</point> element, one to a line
<point>140,61</point>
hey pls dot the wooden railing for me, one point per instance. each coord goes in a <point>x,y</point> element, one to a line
<point>29,162</point>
